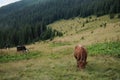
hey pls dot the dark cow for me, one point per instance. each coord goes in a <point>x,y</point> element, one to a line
<point>21,48</point>
<point>80,55</point>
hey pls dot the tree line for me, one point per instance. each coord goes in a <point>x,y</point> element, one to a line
<point>13,37</point>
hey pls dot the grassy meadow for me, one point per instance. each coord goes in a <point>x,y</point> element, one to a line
<point>54,60</point>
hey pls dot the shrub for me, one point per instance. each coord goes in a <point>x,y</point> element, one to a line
<point>118,15</point>
<point>112,16</point>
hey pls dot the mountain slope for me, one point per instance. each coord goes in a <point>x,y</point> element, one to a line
<point>88,30</point>
<point>29,17</point>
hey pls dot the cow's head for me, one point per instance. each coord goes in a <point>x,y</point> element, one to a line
<point>82,64</point>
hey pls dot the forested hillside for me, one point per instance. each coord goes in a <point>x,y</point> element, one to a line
<point>25,21</point>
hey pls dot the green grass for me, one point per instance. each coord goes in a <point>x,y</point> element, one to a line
<point>18,56</point>
<point>61,64</point>
<point>111,48</point>
<point>62,68</point>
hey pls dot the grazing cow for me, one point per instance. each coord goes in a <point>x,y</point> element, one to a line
<point>80,54</point>
<point>21,48</point>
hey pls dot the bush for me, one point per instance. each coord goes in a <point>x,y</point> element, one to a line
<point>112,16</point>
<point>118,15</point>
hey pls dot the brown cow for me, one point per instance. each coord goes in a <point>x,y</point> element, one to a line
<point>80,54</point>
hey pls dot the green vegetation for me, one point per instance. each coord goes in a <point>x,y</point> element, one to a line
<point>112,16</point>
<point>111,48</point>
<point>18,56</point>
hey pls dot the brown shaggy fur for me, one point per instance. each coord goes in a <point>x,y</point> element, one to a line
<point>80,54</point>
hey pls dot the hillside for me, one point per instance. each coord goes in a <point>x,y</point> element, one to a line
<point>88,30</point>
<point>25,22</point>
<point>54,60</point>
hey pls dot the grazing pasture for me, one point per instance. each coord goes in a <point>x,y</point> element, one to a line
<point>59,65</point>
